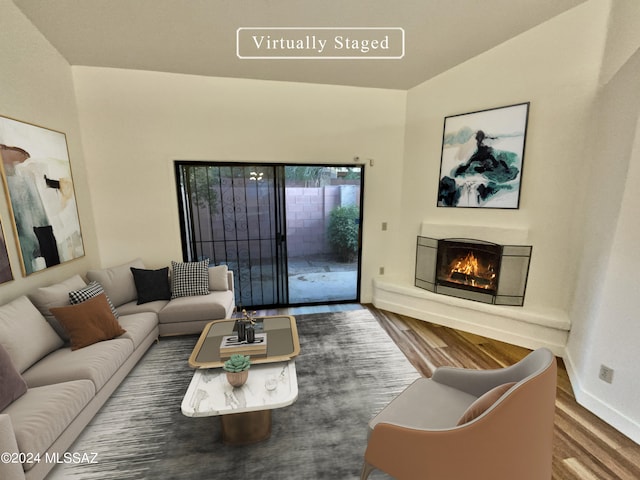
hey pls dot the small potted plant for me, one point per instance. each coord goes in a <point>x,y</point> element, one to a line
<point>237,368</point>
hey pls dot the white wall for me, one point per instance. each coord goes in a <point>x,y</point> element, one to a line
<point>580,193</point>
<point>605,310</point>
<point>135,124</point>
<point>36,87</point>
<point>555,66</point>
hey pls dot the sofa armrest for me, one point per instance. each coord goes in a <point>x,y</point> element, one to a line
<point>10,466</point>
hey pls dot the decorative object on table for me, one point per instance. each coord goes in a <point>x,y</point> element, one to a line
<point>249,317</point>
<point>271,383</point>
<point>36,172</point>
<point>251,334</point>
<point>241,329</point>
<point>237,368</point>
<point>482,157</point>
<point>231,344</point>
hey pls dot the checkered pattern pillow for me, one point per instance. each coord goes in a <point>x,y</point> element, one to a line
<point>92,290</point>
<point>189,279</point>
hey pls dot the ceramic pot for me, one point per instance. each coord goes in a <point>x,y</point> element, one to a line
<point>237,379</point>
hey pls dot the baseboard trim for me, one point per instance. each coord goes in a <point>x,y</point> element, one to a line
<point>605,412</point>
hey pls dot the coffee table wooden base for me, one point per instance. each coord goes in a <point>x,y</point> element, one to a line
<point>246,428</point>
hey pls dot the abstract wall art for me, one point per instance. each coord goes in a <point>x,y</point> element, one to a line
<point>5,266</point>
<point>482,158</point>
<point>36,172</point>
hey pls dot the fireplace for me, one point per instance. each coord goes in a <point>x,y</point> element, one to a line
<point>473,269</point>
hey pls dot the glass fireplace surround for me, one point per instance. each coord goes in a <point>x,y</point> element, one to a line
<point>473,269</point>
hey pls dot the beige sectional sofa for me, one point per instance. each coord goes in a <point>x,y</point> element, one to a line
<point>60,389</point>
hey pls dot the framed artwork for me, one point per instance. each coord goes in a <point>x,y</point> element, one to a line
<point>37,178</point>
<point>482,158</point>
<point>5,266</point>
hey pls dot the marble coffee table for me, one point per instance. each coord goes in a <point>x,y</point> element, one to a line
<point>245,412</point>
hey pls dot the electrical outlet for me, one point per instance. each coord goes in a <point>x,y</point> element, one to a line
<point>381,271</point>
<point>606,374</point>
<point>384,226</point>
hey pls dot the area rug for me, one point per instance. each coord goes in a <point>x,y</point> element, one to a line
<point>348,370</point>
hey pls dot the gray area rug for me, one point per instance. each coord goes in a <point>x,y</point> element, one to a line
<point>348,369</point>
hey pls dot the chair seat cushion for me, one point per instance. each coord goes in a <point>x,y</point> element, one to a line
<point>425,404</point>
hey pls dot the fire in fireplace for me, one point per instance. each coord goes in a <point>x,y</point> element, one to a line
<point>473,269</point>
<point>471,265</point>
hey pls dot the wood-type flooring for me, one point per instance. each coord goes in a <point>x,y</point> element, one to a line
<point>585,447</point>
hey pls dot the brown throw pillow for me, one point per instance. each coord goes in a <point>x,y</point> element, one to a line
<point>88,322</point>
<point>12,385</point>
<point>483,402</point>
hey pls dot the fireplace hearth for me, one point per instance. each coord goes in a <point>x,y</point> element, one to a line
<point>473,269</point>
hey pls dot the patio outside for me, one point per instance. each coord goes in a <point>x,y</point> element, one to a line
<point>320,278</point>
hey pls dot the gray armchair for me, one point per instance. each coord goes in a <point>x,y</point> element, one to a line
<point>469,424</point>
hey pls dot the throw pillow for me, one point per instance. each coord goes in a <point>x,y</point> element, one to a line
<point>92,290</point>
<point>483,402</point>
<point>12,385</point>
<point>25,334</point>
<point>189,279</point>
<point>218,278</point>
<point>117,281</point>
<point>88,322</point>
<point>151,285</point>
<point>56,295</point>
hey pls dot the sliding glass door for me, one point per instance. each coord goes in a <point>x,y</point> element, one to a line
<point>233,215</point>
<point>290,233</point>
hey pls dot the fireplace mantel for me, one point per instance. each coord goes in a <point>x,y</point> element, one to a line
<point>495,234</point>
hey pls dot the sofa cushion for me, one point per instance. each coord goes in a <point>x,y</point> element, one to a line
<point>97,362</point>
<point>189,279</point>
<point>88,322</point>
<point>25,334</point>
<point>117,281</point>
<point>138,326</point>
<point>44,413</point>
<point>56,295</point>
<point>133,307</point>
<point>218,280</point>
<point>12,385</point>
<point>212,306</point>
<point>151,285</point>
<point>92,290</point>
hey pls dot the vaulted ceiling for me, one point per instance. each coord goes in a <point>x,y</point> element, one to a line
<point>199,36</point>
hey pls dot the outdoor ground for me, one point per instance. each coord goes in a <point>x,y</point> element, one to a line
<point>318,278</point>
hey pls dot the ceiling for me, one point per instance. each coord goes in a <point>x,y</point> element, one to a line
<point>199,36</point>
